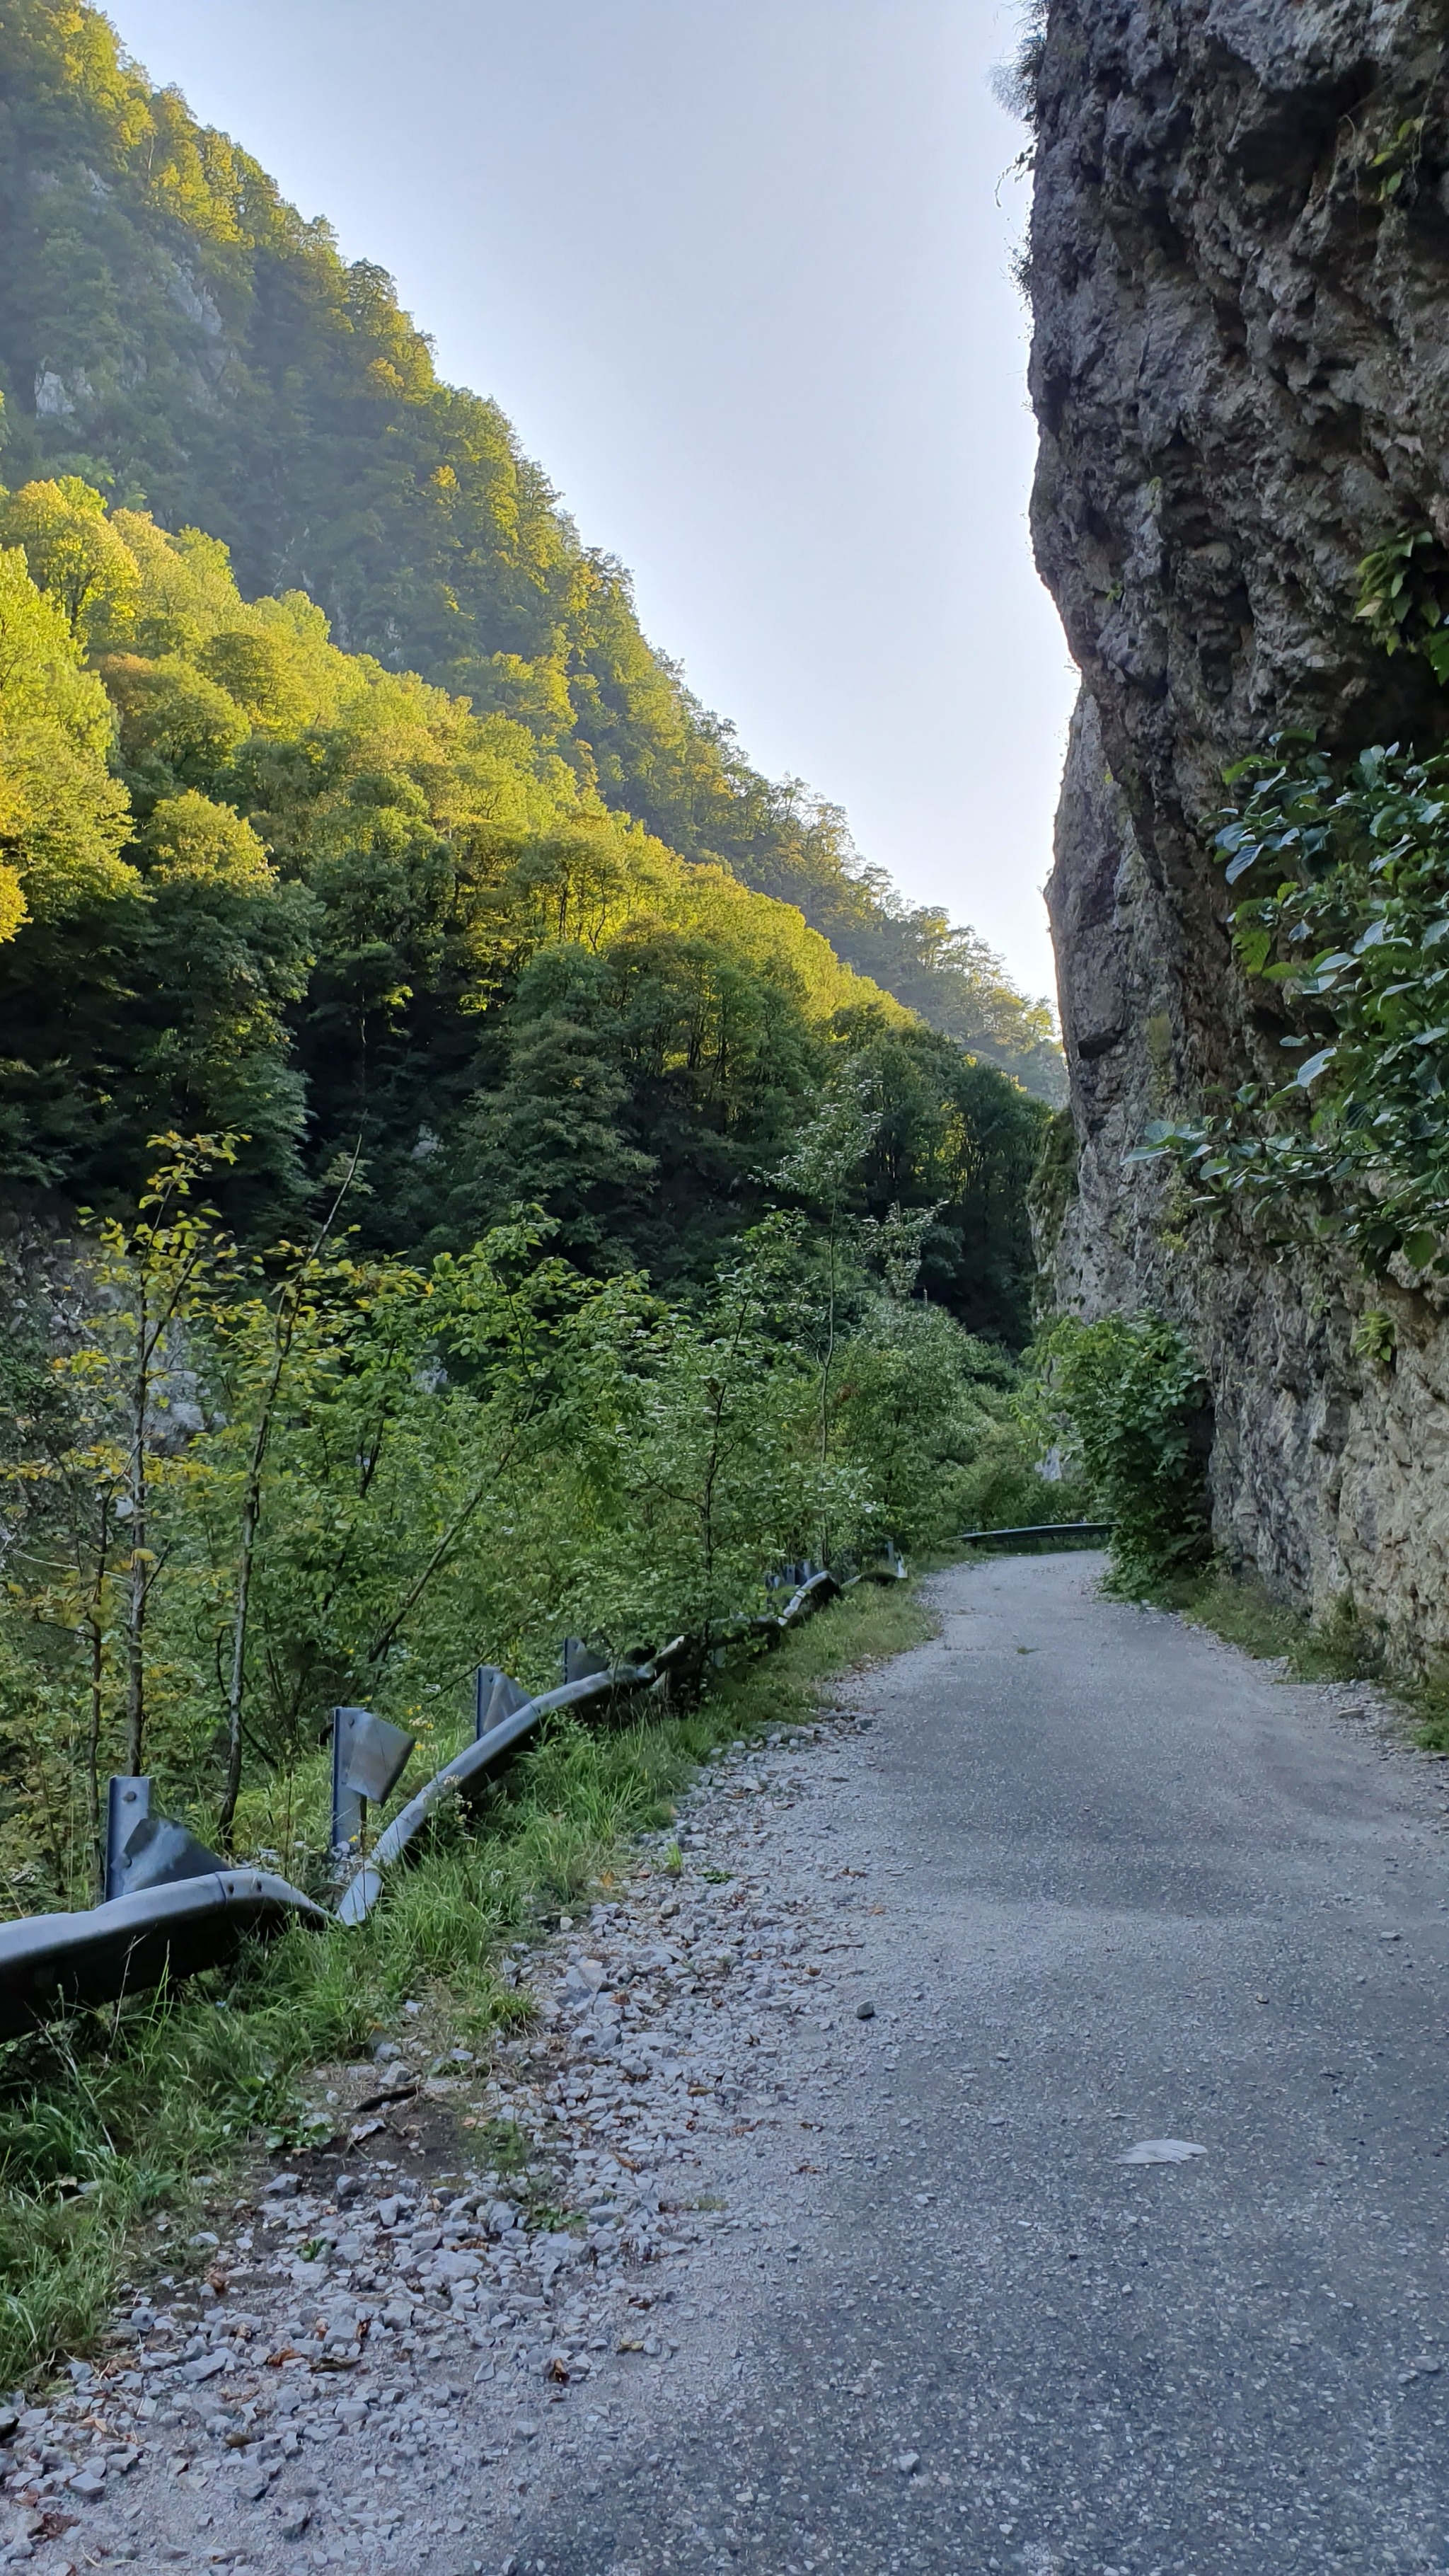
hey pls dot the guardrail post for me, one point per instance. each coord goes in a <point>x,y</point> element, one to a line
<point>369,1758</point>
<point>485,1682</point>
<point>580,1663</point>
<point>128,1803</point>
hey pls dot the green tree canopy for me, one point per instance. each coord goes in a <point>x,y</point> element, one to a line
<point>171,328</point>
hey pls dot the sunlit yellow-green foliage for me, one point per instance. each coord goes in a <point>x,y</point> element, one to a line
<point>276,888</point>
<point>63,818</point>
<point>190,839</point>
<point>537,853</point>
<point>435,842</point>
<point>533,849</point>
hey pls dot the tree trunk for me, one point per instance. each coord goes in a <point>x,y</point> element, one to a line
<point>96,1628</point>
<point>139,1585</point>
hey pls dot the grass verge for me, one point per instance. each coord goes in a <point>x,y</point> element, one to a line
<point>107,2119</point>
<point>1240,1609</point>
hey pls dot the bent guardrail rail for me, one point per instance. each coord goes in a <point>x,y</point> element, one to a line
<point>491,1752</point>
<point>132,1942</point>
<point>521,1718</point>
<point>173,1907</point>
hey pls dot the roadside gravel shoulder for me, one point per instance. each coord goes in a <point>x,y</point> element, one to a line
<point>402,2342</point>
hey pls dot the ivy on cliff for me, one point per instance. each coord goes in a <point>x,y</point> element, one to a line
<point>1350,938</point>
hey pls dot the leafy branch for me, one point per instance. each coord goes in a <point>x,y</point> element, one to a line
<point>1350,933</point>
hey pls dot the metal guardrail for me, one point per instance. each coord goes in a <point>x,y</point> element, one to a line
<point>500,1737</point>
<point>1037,1529</point>
<point>51,1961</point>
<point>172,1907</point>
<point>469,1769</point>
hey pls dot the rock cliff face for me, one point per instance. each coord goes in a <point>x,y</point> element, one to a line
<point>1240,273</point>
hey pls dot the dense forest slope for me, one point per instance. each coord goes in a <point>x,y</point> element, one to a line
<point>459,1188</point>
<point>1240,269</point>
<point>252,883</point>
<point>171,330</point>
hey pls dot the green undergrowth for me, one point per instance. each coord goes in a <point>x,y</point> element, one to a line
<point>1343,1648</point>
<point>115,2121</point>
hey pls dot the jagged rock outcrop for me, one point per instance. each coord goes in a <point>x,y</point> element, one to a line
<point>1240,274</point>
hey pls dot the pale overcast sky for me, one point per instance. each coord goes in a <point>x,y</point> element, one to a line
<point>738,270</point>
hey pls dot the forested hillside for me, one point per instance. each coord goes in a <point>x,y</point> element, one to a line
<point>173,332</point>
<point>256,884</point>
<point>454,1192</point>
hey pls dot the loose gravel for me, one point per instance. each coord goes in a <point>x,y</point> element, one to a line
<point>397,2337</point>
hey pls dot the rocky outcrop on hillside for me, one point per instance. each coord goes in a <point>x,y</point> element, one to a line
<point>1240,273</point>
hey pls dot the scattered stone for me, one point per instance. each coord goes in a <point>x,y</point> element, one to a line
<point>514,2275</point>
<point>865,2012</point>
<point>1161,2151</point>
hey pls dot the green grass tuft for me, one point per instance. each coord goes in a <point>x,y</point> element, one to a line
<point>1241,1609</point>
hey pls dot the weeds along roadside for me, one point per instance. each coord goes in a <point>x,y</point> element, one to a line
<point>1345,1648</point>
<point>109,2120</point>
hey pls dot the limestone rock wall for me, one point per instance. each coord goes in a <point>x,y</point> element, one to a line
<point>1240,277</point>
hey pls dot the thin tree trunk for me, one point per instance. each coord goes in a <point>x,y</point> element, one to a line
<point>283,1336</point>
<point>251,1517</point>
<point>95,1623</point>
<point>828,1365</point>
<point>139,1582</point>
<point>446,1545</point>
<point>436,1561</point>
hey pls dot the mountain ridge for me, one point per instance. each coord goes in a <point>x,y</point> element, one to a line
<point>173,330</point>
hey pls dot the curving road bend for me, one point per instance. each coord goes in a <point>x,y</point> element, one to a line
<point>1108,1882</point>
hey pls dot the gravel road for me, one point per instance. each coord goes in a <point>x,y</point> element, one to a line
<point>819,2251</point>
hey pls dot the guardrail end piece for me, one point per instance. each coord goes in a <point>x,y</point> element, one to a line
<point>580,1662</point>
<point>160,1853</point>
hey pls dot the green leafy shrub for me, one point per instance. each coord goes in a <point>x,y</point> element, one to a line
<point>1126,1399</point>
<point>1404,593</point>
<point>246,1488</point>
<point>1347,942</point>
